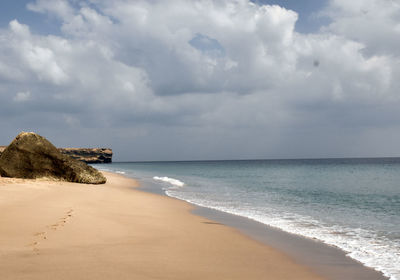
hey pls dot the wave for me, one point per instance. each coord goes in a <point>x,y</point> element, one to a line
<point>362,245</point>
<point>103,169</point>
<point>106,169</point>
<point>172,181</point>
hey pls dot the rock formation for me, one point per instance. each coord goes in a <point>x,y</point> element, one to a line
<point>88,155</point>
<point>32,156</point>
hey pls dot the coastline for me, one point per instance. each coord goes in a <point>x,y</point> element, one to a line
<point>328,261</point>
<point>60,230</point>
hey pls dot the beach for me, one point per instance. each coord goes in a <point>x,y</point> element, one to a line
<point>338,216</point>
<point>60,230</point>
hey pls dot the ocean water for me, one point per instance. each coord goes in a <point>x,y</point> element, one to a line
<point>353,204</point>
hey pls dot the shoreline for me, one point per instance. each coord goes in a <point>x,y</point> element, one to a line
<point>59,230</point>
<point>328,261</point>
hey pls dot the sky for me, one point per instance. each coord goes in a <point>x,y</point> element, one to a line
<point>204,80</point>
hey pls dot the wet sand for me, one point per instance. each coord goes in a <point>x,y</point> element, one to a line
<point>328,261</point>
<point>59,230</point>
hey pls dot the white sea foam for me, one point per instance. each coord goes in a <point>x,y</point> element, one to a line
<point>374,247</point>
<point>364,246</point>
<point>172,181</point>
<point>109,170</point>
<point>103,169</point>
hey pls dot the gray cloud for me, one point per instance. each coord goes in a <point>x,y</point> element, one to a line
<point>205,79</point>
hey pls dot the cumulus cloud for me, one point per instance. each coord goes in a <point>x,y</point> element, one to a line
<point>374,23</point>
<point>59,8</point>
<point>216,74</point>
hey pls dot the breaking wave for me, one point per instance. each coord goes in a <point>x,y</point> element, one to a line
<point>172,181</point>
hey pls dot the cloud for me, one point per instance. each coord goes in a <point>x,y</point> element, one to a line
<point>22,96</point>
<point>58,8</point>
<point>183,70</point>
<point>373,23</point>
<point>207,45</point>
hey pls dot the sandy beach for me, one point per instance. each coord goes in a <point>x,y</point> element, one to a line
<point>59,230</point>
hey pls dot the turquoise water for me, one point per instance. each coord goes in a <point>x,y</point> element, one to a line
<point>353,204</point>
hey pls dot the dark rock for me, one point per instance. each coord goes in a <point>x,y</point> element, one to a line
<point>89,155</point>
<point>32,156</point>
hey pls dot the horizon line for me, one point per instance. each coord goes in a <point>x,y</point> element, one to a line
<point>261,159</point>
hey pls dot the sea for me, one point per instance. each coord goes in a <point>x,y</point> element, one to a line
<point>352,204</point>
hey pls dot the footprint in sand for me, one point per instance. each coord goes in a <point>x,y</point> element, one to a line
<point>62,220</point>
<point>54,226</point>
<point>42,235</point>
<point>33,244</point>
<point>34,247</point>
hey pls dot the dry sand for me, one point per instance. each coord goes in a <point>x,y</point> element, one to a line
<point>57,230</point>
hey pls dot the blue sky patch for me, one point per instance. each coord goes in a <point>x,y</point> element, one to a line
<point>207,45</point>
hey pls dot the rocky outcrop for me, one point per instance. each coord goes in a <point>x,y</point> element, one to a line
<point>32,156</point>
<point>88,155</point>
<point>95,155</point>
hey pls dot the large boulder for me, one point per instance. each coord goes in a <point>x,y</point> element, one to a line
<point>32,156</point>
